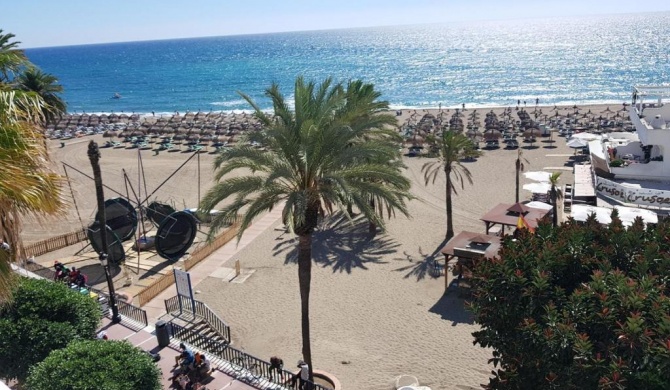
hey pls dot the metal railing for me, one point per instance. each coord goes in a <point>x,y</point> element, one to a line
<point>240,364</point>
<point>181,304</point>
<point>127,310</point>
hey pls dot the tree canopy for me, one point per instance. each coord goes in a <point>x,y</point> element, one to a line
<point>332,151</point>
<point>96,364</point>
<point>43,316</point>
<point>28,185</point>
<point>578,307</point>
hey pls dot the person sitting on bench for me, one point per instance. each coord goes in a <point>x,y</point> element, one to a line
<point>202,365</point>
<point>185,359</point>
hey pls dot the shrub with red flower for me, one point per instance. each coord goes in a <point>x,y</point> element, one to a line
<point>580,306</point>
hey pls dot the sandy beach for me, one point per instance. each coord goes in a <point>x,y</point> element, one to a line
<point>375,311</point>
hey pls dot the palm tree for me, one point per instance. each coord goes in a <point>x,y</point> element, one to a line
<point>318,160</point>
<point>453,148</point>
<point>45,85</point>
<point>556,195</point>
<point>11,57</point>
<point>27,185</point>
<point>519,168</point>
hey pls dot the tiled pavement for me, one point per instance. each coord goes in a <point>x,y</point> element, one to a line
<point>147,341</point>
<point>146,338</point>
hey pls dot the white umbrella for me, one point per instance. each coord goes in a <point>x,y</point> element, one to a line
<point>539,205</point>
<point>540,176</point>
<point>577,143</point>
<point>586,136</point>
<point>603,214</point>
<point>628,215</point>
<point>537,188</point>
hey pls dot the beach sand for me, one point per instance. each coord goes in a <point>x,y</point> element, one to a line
<point>375,310</point>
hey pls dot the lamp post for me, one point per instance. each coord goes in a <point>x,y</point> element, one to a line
<point>116,318</point>
<point>94,156</point>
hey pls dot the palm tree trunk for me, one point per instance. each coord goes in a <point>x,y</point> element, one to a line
<point>304,278</point>
<point>372,227</point>
<point>94,157</point>
<point>450,222</point>
<point>554,218</point>
<point>518,170</point>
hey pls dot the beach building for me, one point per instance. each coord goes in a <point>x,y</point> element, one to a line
<point>631,168</point>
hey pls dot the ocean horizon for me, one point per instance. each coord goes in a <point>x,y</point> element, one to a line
<point>578,60</point>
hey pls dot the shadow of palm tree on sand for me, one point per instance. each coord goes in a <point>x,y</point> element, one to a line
<point>342,244</point>
<point>422,265</point>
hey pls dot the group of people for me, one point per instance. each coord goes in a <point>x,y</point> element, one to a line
<point>71,276</point>
<point>188,363</point>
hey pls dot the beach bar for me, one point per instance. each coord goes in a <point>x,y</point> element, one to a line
<point>466,247</point>
<point>506,214</point>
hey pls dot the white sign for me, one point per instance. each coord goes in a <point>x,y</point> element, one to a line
<point>640,196</point>
<point>183,281</point>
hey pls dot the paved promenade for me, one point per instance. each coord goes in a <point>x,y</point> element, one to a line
<point>146,339</point>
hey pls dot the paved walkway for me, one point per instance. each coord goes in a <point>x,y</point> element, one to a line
<point>146,339</point>
<point>148,342</point>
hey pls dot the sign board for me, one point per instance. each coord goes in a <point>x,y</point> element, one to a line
<point>184,289</point>
<point>639,196</point>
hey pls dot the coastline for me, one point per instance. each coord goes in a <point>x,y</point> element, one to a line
<point>392,107</point>
<point>374,305</point>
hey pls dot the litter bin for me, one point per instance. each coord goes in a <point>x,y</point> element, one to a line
<point>162,334</point>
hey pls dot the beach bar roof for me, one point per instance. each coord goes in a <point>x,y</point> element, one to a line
<point>506,214</point>
<point>471,245</point>
<point>468,246</point>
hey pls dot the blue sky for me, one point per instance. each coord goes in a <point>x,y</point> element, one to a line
<point>38,23</point>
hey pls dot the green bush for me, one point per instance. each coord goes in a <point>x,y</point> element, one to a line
<point>577,307</point>
<point>43,316</point>
<point>96,365</point>
<point>616,163</point>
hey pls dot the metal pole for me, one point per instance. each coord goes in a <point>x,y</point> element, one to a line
<point>94,156</point>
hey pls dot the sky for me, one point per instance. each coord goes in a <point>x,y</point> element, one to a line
<point>41,23</point>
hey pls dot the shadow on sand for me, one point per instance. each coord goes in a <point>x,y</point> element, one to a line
<point>451,307</point>
<point>341,244</point>
<point>422,265</point>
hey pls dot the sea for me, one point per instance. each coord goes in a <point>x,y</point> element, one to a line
<point>594,59</point>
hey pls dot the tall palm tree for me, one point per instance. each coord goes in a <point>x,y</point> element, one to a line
<point>556,195</point>
<point>318,160</point>
<point>520,167</point>
<point>47,87</point>
<point>453,148</point>
<point>27,184</point>
<point>11,57</point>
